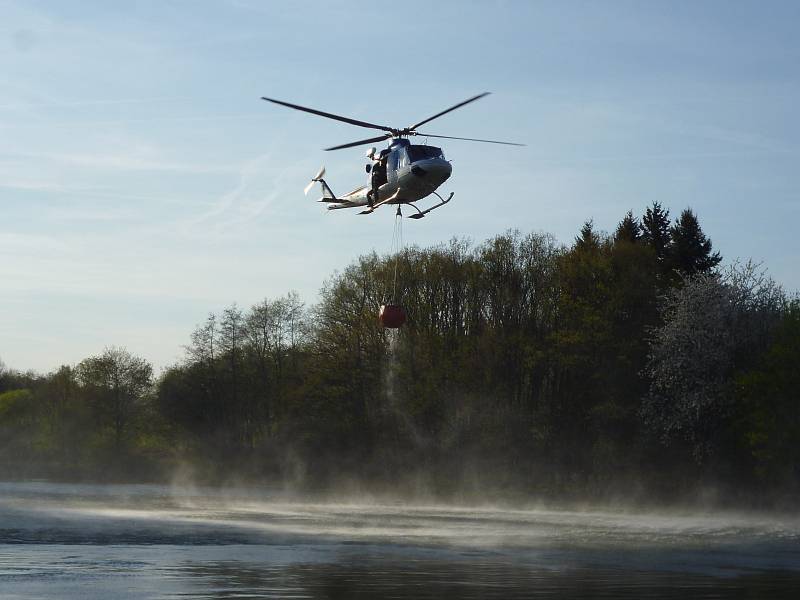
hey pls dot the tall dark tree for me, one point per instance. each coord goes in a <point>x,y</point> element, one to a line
<point>655,231</point>
<point>768,423</point>
<point>62,418</point>
<point>629,229</point>
<point>239,421</point>
<point>579,345</point>
<point>690,252</point>
<point>588,239</point>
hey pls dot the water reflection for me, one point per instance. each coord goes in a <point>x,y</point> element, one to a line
<point>426,579</point>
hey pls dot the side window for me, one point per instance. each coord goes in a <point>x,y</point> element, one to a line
<point>392,163</point>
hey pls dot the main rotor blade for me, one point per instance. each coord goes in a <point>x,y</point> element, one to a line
<point>329,115</point>
<point>450,137</point>
<point>444,112</point>
<point>362,142</point>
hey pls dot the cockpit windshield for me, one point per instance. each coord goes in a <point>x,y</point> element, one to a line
<point>416,153</point>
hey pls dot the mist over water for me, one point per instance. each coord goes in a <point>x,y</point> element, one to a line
<point>150,541</point>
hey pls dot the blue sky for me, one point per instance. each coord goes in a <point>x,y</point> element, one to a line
<point>144,184</point>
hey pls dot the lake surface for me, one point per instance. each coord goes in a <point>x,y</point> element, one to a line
<point>128,541</point>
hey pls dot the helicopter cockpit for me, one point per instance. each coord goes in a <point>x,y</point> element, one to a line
<point>416,153</point>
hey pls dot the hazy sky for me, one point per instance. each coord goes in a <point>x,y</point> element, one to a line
<point>145,184</point>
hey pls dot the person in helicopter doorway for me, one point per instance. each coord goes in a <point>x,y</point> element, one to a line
<point>377,177</point>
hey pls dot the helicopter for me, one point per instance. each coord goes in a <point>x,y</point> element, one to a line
<point>403,173</point>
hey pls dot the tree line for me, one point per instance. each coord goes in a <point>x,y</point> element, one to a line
<point>629,361</point>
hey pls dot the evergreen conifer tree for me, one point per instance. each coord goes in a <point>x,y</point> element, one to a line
<point>628,229</point>
<point>690,252</point>
<point>655,231</point>
<point>587,240</point>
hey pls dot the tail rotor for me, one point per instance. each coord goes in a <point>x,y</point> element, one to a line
<point>316,178</point>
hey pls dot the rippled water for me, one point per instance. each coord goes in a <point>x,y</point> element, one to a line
<point>85,541</point>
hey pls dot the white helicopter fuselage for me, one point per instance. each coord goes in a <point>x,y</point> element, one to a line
<point>412,173</point>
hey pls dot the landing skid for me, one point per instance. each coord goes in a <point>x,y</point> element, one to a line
<point>422,213</point>
<point>377,205</point>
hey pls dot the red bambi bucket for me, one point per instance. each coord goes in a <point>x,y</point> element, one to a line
<point>392,316</point>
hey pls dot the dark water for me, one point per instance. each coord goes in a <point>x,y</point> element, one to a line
<point>83,541</point>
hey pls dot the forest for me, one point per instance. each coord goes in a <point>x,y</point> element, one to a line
<point>635,363</point>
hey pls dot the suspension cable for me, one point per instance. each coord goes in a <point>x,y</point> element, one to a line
<point>397,248</point>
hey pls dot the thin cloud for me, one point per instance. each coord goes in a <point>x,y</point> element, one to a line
<point>257,188</point>
<point>40,186</point>
<point>95,123</point>
<point>82,103</point>
<point>122,162</point>
<point>14,243</point>
<point>629,158</point>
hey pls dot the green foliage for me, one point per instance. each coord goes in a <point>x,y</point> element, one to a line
<point>767,420</point>
<point>18,414</point>
<point>62,426</point>
<point>16,407</point>
<point>115,383</point>
<point>522,363</point>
